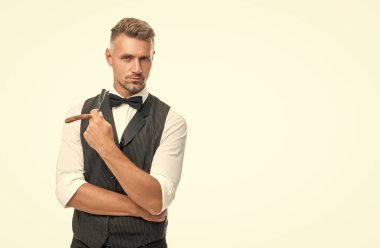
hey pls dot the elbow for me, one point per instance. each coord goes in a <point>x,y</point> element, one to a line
<point>162,200</point>
<point>155,207</point>
<point>61,197</point>
<point>66,189</point>
<point>154,211</point>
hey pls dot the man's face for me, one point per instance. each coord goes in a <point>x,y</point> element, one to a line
<point>131,61</point>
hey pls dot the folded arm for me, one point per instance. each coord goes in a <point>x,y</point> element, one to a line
<point>73,191</point>
<point>96,200</point>
<point>154,191</point>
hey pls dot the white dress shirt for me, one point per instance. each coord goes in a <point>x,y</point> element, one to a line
<point>167,161</point>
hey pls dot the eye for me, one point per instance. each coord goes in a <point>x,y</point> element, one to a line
<point>145,58</point>
<point>127,58</point>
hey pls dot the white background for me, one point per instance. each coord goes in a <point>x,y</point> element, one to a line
<point>281,99</point>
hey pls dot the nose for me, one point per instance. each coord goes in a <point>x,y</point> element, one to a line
<point>136,66</point>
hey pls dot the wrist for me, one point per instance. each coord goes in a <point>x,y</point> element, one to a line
<point>106,149</point>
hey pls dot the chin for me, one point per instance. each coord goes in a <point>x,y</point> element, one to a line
<point>134,88</point>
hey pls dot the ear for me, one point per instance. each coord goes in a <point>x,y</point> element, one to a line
<point>109,58</point>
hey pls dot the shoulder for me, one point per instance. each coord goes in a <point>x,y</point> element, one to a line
<point>175,125</point>
<point>175,118</point>
<point>157,102</point>
<point>174,121</point>
<point>89,104</point>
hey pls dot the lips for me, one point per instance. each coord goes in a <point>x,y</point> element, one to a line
<point>134,78</point>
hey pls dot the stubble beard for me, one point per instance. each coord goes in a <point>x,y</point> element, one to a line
<point>132,87</point>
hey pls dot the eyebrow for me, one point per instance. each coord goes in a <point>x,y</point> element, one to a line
<point>130,55</point>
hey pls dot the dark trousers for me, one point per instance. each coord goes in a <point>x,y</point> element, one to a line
<point>76,243</point>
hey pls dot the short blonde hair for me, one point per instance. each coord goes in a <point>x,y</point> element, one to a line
<point>134,28</point>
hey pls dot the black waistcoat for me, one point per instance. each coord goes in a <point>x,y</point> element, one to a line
<point>139,143</point>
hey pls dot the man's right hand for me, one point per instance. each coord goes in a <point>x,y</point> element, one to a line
<point>154,218</point>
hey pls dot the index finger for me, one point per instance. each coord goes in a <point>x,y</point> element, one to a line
<point>96,115</point>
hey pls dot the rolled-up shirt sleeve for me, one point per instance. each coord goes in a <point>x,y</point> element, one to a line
<point>168,159</point>
<point>69,169</point>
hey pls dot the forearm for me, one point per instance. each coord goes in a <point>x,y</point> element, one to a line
<point>141,187</point>
<point>96,200</point>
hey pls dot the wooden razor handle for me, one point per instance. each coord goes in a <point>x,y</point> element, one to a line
<point>77,117</point>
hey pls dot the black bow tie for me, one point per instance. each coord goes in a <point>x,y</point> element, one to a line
<point>135,101</point>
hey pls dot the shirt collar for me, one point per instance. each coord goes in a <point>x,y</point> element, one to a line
<point>143,93</point>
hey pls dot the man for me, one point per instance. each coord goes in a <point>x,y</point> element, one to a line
<point>119,169</point>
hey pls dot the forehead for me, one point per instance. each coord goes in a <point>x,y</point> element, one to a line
<point>125,44</point>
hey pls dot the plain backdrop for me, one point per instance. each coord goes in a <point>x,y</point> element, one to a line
<point>281,100</point>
